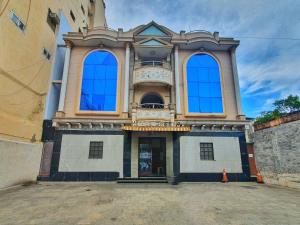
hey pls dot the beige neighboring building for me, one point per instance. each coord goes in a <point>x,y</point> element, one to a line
<point>148,104</point>
<point>32,54</point>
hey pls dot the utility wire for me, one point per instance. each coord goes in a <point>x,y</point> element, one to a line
<point>25,67</point>
<point>269,38</point>
<point>28,11</point>
<point>4,8</point>
<point>28,84</point>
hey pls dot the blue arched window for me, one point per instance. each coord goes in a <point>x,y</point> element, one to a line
<point>203,85</point>
<point>99,82</point>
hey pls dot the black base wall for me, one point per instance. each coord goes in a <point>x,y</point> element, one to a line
<point>55,175</point>
<point>81,176</point>
<point>212,177</point>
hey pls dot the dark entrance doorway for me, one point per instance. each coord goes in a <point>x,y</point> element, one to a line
<point>152,157</point>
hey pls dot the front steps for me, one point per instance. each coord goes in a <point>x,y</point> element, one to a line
<point>143,180</point>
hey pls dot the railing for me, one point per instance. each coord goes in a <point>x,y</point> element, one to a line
<point>196,31</point>
<point>152,106</point>
<point>151,63</point>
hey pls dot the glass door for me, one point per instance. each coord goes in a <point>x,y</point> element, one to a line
<point>152,157</point>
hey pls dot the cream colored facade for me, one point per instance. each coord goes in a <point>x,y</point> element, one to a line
<point>25,73</point>
<point>31,59</point>
<point>188,44</point>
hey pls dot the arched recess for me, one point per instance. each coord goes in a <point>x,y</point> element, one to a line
<point>152,100</point>
<point>203,85</point>
<point>99,82</point>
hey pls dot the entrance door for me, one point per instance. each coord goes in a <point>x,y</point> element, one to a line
<point>152,156</point>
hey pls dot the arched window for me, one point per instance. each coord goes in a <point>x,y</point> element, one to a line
<point>203,85</point>
<point>152,100</point>
<point>99,82</point>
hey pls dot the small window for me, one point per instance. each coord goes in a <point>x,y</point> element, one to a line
<point>96,150</point>
<point>46,54</point>
<point>82,9</point>
<point>72,15</point>
<point>16,20</point>
<point>52,20</point>
<point>206,151</point>
<point>79,30</point>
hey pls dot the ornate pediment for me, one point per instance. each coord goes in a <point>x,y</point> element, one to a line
<point>152,29</point>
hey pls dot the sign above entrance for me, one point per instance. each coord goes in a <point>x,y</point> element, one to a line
<point>136,128</point>
<point>155,126</point>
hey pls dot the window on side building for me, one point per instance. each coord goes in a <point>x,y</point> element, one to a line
<point>82,9</point>
<point>204,91</point>
<point>206,151</point>
<point>99,82</point>
<point>52,20</point>
<point>96,150</point>
<point>16,20</point>
<point>72,15</point>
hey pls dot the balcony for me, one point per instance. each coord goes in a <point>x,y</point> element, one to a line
<point>154,72</point>
<point>153,112</point>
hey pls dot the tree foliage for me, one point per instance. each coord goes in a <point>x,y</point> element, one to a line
<point>281,107</point>
<point>288,105</point>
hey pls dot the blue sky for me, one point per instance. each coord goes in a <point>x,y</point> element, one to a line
<point>268,57</point>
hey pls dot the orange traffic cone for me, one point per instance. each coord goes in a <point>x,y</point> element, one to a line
<point>225,178</point>
<point>259,178</point>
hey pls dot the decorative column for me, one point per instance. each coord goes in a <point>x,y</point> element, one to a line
<point>177,83</point>
<point>64,82</point>
<point>126,80</point>
<point>236,82</point>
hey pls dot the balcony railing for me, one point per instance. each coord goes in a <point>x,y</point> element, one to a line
<point>152,106</point>
<point>152,63</point>
<point>156,63</point>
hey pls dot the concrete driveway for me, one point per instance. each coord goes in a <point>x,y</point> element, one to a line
<point>153,204</point>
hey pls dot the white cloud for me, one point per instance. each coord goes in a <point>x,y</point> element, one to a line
<point>265,66</point>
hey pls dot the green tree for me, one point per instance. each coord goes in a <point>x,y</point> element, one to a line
<point>288,105</point>
<point>281,108</point>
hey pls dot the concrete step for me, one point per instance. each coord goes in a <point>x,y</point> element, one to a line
<point>143,180</point>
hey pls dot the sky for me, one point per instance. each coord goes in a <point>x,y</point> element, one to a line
<point>268,57</point>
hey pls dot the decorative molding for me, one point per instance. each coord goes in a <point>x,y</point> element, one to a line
<point>149,74</point>
<point>159,114</point>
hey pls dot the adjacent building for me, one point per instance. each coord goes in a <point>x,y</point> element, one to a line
<point>144,103</point>
<point>32,54</point>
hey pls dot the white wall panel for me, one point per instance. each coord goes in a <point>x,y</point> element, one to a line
<point>74,156</point>
<point>226,155</point>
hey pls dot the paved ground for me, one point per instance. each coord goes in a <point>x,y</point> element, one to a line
<point>153,204</point>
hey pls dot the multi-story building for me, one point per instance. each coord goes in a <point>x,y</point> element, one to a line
<point>148,102</point>
<point>31,63</point>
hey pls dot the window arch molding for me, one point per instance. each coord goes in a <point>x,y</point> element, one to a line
<point>185,88</point>
<point>80,81</point>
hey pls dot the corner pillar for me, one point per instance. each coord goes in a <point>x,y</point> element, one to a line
<point>63,89</point>
<point>236,83</point>
<point>126,80</point>
<point>177,82</point>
